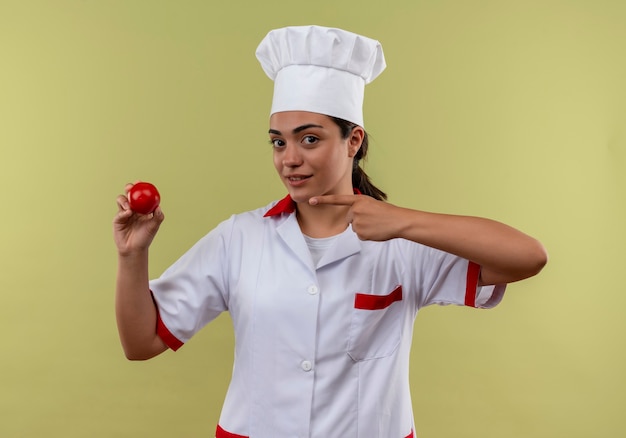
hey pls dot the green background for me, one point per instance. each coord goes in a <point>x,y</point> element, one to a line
<point>513,110</point>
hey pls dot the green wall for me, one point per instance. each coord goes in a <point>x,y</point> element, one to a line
<point>514,110</point>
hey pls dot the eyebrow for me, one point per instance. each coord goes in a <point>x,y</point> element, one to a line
<point>296,130</point>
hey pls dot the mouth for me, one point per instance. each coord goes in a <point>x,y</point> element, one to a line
<point>295,180</point>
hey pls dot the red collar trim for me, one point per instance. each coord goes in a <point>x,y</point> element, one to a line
<point>287,205</point>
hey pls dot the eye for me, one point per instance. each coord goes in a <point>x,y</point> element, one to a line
<point>309,139</point>
<point>277,142</point>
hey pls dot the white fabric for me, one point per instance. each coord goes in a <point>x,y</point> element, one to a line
<point>318,246</point>
<point>320,69</point>
<point>308,362</point>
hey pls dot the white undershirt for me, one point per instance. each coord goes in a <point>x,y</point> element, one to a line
<point>318,246</point>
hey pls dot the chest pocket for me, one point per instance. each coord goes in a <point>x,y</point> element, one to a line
<point>376,325</point>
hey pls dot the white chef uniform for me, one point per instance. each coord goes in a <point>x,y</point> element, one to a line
<point>320,351</point>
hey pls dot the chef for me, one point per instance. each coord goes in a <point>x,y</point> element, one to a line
<point>324,285</point>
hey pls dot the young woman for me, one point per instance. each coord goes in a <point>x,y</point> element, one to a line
<point>324,285</point>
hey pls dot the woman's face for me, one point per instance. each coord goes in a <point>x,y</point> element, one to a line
<point>310,156</point>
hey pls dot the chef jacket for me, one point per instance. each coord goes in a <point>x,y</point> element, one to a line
<point>320,351</point>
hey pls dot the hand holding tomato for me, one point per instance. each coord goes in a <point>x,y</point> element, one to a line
<point>138,217</point>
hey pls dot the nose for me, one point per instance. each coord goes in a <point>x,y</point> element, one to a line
<point>291,156</point>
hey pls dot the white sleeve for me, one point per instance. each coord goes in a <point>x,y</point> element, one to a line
<point>446,279</point>
<point>194,290</point>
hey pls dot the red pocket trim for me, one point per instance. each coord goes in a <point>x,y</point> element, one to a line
<point>377,302</point>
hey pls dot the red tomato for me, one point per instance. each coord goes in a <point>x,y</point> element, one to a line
<point>144,198</point>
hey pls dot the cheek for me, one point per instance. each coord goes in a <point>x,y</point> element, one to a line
<point>277,161</point>
<point>340,159</point>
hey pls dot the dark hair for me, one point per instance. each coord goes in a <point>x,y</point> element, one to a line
<point>360,180</point>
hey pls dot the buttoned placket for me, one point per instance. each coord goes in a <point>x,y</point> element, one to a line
<point>298,331</point>
<point>291,317</point>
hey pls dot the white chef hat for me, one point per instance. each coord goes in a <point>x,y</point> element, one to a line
<point>320,69</point>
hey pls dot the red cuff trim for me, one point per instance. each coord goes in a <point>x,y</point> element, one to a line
<point>170,340</point>
<point>221,433</point>
<point>473,274</point>
<point>377,302</point>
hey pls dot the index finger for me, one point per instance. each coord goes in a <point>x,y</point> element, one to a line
<point>333,200</point>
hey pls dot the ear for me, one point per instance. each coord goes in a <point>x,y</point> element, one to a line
<point>355,140</point>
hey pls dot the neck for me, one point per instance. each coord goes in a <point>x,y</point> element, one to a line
<point>322,220</point>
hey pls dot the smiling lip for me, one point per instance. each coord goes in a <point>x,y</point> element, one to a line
<point>296,180</point>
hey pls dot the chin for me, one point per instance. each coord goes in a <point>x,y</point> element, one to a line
<point>298,198</point>
<point>300,195</point>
